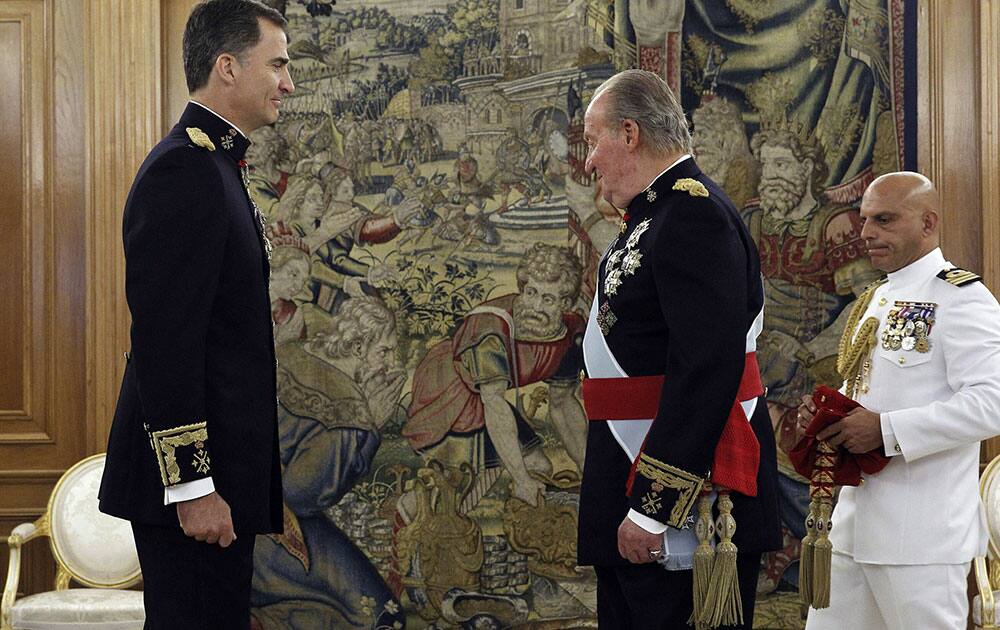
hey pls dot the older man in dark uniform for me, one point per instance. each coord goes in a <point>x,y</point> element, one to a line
<point>674,388</point>
<point>193,452</point>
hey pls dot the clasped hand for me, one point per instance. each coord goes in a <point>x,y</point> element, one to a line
<point>859,431</point>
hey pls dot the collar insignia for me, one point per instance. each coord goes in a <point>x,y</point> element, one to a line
<point>692,186</point>
<point>227,140</point>
<point>200,138</point>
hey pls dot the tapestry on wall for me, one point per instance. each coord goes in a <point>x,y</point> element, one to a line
<point>436,239</point>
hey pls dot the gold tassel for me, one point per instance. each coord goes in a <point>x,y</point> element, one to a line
<point>806,557</point>
<point>704,529</point>
<point>723,606</point>
<point>822,560</point>
<point>822,487</point>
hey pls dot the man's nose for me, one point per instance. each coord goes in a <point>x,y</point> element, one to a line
<point>866,231</point>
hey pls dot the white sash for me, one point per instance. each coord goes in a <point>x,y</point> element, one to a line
<point>678,544</point>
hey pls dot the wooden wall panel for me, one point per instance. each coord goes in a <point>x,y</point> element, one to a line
<point>948,111</point>
<point>42,188</point>
<point>123,124</point>
<point>174,15</point>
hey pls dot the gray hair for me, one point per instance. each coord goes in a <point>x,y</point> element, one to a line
<point>644,97</point>
<point>361,320</point>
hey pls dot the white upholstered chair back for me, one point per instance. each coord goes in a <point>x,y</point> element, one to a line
<point>94,548</point>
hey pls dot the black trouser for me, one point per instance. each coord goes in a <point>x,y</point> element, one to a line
<point>647,597</point>
<point>194,585</point>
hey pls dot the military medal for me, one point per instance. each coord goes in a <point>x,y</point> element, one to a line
<point>908,325</point>
<point>261,223</point>
<point>606,318</point>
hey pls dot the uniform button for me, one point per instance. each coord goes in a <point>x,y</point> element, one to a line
<point>902,360</point>
<point>882,302</point>
<point>898,450</point>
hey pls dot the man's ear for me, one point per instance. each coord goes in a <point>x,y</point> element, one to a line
<point>226,67</point>
<point>630,129</point>
<point>930,222</point>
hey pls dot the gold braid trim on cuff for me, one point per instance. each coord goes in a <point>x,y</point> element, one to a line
<point>167,441</point>
<point>685,483</point>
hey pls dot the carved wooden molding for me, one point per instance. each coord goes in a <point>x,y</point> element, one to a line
<point>28,423</point>
<point>123,94</point>
<point>989,154</point>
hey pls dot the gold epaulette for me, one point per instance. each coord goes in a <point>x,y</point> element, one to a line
<point>692,186</point>
<point>959,277</point>
<point>200,138</point>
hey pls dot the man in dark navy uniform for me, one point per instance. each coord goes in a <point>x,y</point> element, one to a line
<point>193,452</point>
<point>680,302</point>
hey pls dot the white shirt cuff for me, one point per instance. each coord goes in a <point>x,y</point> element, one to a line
<point>188,491</point>
<point>891,444</point>
<point>650,525</point>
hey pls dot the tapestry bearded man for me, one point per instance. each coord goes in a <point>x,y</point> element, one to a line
<point>673,388</point>
<point>338,389</point>
<point>512,341</point>
<point>814,265</point>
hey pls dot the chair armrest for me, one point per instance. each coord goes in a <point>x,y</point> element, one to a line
<point>21,534</point>
<point>986,601</point>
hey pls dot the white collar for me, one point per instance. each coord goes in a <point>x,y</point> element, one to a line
<point>927,265</point>
<point>203,106</point>
<point>676,162</point>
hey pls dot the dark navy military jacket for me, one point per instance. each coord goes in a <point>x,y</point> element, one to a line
<point>682,305</point>
<point>198,397</point>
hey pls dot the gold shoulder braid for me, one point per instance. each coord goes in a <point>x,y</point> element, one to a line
<point>854,350</point>
<point>691,186</point>
<point>200,138</point>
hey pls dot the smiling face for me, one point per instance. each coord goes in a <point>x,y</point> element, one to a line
<point>262,79</point>
<point>607,153</point>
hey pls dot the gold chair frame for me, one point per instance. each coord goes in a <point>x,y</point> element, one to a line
<point>987,568</point>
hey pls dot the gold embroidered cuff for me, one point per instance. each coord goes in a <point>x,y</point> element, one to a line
<point>182,453</point>
<point>653,479</point>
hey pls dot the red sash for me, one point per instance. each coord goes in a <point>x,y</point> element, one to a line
<point>737,454</point>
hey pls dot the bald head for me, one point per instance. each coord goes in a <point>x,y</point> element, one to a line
<point>901,213</point>
<point>911,191</point>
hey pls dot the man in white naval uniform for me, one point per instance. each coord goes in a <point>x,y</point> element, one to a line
<point>927,376</point>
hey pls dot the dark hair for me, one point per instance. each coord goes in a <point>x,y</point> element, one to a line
<point>222,26</point>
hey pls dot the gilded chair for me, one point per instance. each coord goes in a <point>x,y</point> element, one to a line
<point>90,548</point>
<point>984,612</point>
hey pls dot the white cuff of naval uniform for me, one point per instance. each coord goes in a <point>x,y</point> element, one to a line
<point>650,525</point>
<point>890,443</point>
<point>188,491</point>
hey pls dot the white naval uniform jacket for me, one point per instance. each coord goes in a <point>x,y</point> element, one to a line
<point>924,507</point>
